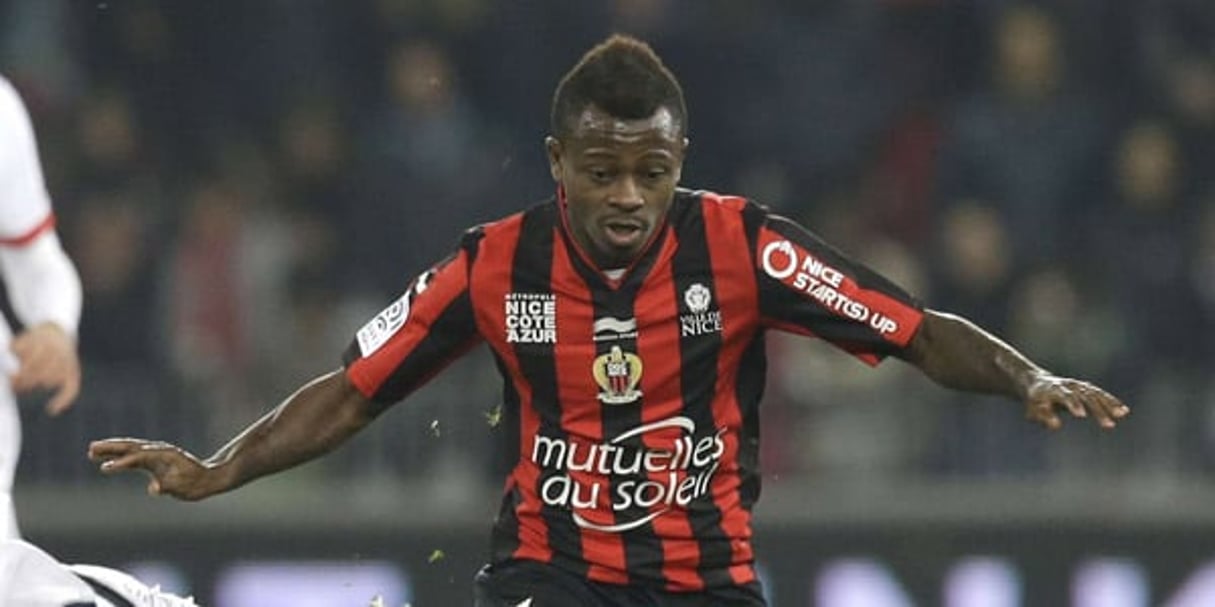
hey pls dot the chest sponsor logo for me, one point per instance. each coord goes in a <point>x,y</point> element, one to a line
<point>797,269</point>
<point>700,320</point>
<point>531,318</point>
<point>598,481</point>
<point>373,335</point>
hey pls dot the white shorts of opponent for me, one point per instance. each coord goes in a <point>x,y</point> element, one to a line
<point>29,577</point>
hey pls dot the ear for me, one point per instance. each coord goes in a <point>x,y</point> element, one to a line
<point>552,146</point>
<point>683,154</point>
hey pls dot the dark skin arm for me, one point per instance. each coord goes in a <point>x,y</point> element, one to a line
<point>957,354</point>
<point>311,422</point>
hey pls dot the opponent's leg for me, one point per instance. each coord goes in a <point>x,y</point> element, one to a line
<point>10,450</point>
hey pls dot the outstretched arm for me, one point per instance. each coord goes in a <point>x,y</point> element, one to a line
<point>311,422</point>
<point>957,354</point>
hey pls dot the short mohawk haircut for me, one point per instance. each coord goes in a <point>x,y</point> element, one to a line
<point>622,76</point>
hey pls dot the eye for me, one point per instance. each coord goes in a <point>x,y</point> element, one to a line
<point>655,173</point>
<point>599,174</point>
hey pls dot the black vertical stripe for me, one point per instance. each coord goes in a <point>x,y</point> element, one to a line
<point>505,538</point>
<point>749,390</point>
<point>698,376</point>
<point>643,554</point>
<point>532,272</point>
<point>642,547</point>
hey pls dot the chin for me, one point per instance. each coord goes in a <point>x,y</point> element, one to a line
<point>615,258</point>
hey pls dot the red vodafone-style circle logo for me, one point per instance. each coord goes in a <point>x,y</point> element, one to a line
<point>779,259</point>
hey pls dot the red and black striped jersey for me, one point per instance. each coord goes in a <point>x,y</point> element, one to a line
<point>632,404</point>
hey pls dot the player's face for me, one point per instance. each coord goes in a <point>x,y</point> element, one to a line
<point>619,178</point>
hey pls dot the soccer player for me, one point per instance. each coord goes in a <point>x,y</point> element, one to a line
<point>627,316</point>
<point>43,288</point>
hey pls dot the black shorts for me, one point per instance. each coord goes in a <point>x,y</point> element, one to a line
<point>513,583</point>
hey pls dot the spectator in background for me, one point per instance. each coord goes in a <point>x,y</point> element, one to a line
<point>43,289</point>
<point>112,209</point>
<point>1144,238</point>
<point>1176,44</point>
<point>209,302</point>
<point>974,262</point>
<point>109,233</point>
<point>424,146</point>
<point>1144,241</point>
<point>1025,145</point>
<point>109,151</point>
<point>975,272</point>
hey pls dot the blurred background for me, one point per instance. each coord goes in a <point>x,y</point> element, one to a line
<point>243,184</point>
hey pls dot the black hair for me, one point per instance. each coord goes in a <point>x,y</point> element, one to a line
<point>622,76</point>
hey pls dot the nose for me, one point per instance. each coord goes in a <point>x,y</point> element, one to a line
<point>626,196</point>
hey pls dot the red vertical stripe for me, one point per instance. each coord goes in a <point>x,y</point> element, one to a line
<point>737,296</point>
<point>574,355</point>
<point>663,392</point>
<point>492,279</point>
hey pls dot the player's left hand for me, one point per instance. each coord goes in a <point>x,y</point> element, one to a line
<point>1050,392</point>
<point>47,359</point>
<point>171,470</point>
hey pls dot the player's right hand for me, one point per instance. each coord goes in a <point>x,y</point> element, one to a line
<point>171,470</point>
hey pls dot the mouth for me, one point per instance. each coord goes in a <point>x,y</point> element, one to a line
<point>623,232</point>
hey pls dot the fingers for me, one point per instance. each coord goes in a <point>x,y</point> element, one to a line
<point>113,448</point>
<point>1105,408</point>
<point>46,358</point>
<point>1072,401</point>
<point>135,460</point>
<point>1043,412</point>
<point>65,397</point>
<point>1082,400</point>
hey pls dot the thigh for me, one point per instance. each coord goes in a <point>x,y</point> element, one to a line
<point>530,584</point>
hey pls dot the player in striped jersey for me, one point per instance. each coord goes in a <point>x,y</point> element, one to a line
<point>627,316</point>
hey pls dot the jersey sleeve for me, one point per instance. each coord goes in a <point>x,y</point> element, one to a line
<point>416,336</point>
<point>808,287</point>
<point>25,206</point>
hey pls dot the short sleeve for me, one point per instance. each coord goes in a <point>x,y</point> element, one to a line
<point>429,326</point>
<point>25,206</point>
<point>808,287</point>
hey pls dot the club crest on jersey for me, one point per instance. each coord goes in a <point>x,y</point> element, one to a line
<point>531,318</point>
<point>700,320</point>
<point>617,374</point>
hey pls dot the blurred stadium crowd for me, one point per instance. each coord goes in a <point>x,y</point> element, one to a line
<point>242,184</point>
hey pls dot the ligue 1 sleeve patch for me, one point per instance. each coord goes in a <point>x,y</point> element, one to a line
<point>380,329</point>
